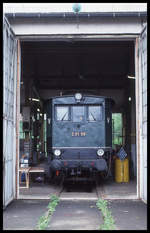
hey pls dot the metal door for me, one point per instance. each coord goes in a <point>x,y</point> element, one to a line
<point>9,112</point>
<point>143,94</point>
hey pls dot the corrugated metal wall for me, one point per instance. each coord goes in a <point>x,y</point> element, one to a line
<point>143,68</point>
<point>9,113</point>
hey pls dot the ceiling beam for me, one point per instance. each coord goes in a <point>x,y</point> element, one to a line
<point>81,77</point>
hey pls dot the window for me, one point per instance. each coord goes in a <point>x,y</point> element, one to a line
<point>117,129</point>
<point>95,113</point>
<point>21,132</point>
<point>62,113</point>
<point>78,113</point>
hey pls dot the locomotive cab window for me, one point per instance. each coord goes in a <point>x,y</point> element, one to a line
<point>78,113</point>
<point>94,113</point>
<point>62,113</point>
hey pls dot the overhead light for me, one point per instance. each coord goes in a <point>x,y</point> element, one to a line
<point>38,116</point>
<point>132,77</point>
<point>38,109</point>
<point>33,99</point>
<point>129,98</point>
<point>44,116</point>
<point>76,7</point>
<point>33,119</point>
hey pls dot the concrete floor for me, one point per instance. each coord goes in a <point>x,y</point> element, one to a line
<point>75,215</point>
<point>108,189</point>
<point>39,191</point>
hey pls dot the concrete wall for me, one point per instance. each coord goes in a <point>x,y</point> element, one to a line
<point>65,25</point>
<point>109,25</point>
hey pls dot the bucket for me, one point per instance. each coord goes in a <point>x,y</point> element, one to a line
<point>121,170</point>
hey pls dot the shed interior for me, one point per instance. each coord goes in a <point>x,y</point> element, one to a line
<point>52,68</point>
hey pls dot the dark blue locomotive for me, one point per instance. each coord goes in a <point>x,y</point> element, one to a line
<point>79,134</point>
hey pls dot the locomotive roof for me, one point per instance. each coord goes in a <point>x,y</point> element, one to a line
<point>87,95</point>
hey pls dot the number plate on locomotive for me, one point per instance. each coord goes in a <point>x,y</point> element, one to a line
<point>78,134</point>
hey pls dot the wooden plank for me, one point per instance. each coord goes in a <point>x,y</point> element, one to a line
<point>36,169</point>
<point>26,170</point>
<point>17,117</point>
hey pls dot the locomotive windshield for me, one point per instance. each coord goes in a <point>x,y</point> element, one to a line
<point>95,113</point>
<point>78,113</point>
<point>62,113</point>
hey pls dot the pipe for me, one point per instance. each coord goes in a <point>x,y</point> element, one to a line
<point>72,15</point>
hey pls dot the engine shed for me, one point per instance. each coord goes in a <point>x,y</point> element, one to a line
<point>52,53</point>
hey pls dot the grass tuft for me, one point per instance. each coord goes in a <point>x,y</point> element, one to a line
<point>109,223</point>
<point>44,220</point>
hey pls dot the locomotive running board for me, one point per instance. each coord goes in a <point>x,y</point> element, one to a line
<point>59,147</point>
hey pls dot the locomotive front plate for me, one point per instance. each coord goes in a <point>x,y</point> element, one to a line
<point>78,134</point>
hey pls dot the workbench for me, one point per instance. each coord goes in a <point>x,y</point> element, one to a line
<point>27,172</point>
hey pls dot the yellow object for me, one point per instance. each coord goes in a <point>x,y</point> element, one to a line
<point>122,170</point>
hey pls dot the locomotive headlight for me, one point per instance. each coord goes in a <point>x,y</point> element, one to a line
<point>57,152</point>
<point>100,152</point>
<point>78,96</point>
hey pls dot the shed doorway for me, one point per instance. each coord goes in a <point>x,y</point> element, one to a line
<point>48,68</point>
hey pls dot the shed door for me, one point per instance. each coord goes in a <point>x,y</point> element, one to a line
<point>9,112</point>
<point>143,74</point>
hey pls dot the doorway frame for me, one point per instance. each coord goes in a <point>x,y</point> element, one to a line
<point>124,37</point>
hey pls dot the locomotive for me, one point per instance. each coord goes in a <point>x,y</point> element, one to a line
<point>79,135</point>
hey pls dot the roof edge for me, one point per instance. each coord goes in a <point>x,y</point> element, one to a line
<point>73,15</point>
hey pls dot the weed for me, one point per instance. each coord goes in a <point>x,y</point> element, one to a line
<point>108,219</point>
<point>44,220</point>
